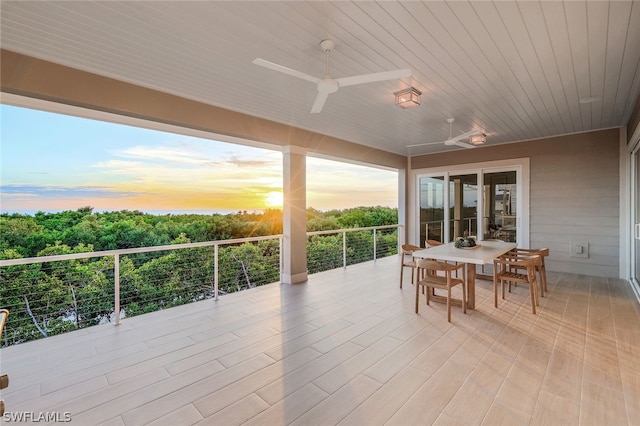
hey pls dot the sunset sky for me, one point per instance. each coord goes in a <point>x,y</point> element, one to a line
<point>53,162</point>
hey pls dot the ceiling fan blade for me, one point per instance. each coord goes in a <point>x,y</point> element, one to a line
<point>424,144</point>
<point>370,78</point>
<point>319,102</point>
<point>285,70</point>
<point>465,135</point>
<point>459,143</point>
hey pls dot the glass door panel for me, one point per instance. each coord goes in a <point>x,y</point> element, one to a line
<point>488,200</point>
<point>431,209</point>
<point>636,215</point>
<point>500,200</point>
<point>463,202</point>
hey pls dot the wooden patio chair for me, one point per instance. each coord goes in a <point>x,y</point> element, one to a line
<point>516,268</point>
<point>407,260</point>
<point>540,269</point>
<point>428,278</point>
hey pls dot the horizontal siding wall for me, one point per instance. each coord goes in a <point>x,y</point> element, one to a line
<point>574,195</point>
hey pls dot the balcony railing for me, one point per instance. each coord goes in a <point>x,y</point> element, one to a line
<point>53,294</point>
<point>335,248</point>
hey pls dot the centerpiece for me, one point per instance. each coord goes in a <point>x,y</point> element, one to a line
<point>466,243</point>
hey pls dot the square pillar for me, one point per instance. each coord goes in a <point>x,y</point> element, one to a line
<point>294,212</point>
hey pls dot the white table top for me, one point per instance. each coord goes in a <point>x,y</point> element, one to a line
<point>485,252</point>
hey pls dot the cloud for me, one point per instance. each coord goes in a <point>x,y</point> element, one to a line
<point>189,166</point>
<point>162,153</point>
<point>254,163</point>
<point>52,191</point>
<point>203,154</point>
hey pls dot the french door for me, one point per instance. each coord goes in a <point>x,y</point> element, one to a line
<point>483,200</point>
<point>635,215</point>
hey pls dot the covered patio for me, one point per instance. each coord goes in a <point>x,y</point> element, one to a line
<point>552,84</point>
<point>347,348</point>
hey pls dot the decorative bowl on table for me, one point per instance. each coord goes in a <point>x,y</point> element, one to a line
<point>466,243</point>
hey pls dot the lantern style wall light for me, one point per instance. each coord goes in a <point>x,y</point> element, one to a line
<point>478,139</point>
<point>408,98</point>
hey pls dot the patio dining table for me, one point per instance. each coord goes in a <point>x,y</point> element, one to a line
<point>484,252</point>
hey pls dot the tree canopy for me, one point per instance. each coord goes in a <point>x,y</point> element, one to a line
<point>54,297</point>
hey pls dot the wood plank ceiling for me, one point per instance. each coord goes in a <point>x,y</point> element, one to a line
<point>516,70</point>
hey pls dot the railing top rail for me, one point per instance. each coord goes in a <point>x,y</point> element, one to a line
<point>56,258</point>
<point>337,231</point>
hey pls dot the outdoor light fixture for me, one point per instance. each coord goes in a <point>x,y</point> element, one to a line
<point>478,139</point>
<point>408,98</point>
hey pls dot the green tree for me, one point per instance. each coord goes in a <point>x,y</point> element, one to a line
<point>52,297</point>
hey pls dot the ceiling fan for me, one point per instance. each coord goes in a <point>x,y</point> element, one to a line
<point>328,84</point>
<point>458,140</point>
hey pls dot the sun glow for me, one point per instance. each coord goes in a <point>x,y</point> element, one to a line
<point>274,199</point>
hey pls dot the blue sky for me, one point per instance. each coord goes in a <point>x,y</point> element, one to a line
<point>53,162</point>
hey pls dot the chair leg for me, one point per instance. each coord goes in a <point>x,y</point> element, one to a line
<point>543,280</point>
<point>417,296</point>
<point>533,291</point>
<point>539,273</point>
<point>464,297</point>
<point>449,303</point>
<point>401,272</point>
<point>495,288</point>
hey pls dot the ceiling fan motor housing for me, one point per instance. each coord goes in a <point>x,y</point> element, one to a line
<point>327,45</point>
<point>328,85</point>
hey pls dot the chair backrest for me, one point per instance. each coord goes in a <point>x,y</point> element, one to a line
<point>409,248</point>
<point>519,260</point>
<point>434,265</point>
<point>3,319</point>
<point>433,243</point>
<point>541,251</point>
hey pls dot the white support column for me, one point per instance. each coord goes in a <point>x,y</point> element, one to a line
<point>404,208</point>
<point>294,212</point>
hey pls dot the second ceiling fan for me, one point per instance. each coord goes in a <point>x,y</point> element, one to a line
<point>328,85</point>
<point>454,140</point>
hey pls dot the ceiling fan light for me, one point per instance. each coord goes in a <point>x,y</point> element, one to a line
<point>478,139</point>
<point>408,98</point>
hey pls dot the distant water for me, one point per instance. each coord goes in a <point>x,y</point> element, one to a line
<point>152,212</point>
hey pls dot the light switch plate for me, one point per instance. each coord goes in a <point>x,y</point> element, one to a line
<point>579,249</point>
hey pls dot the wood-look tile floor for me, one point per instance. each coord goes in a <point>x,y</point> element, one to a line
<point>347,348</point>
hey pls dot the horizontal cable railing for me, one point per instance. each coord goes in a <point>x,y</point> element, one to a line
<point>339,248</point>
<point>54,294</point>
